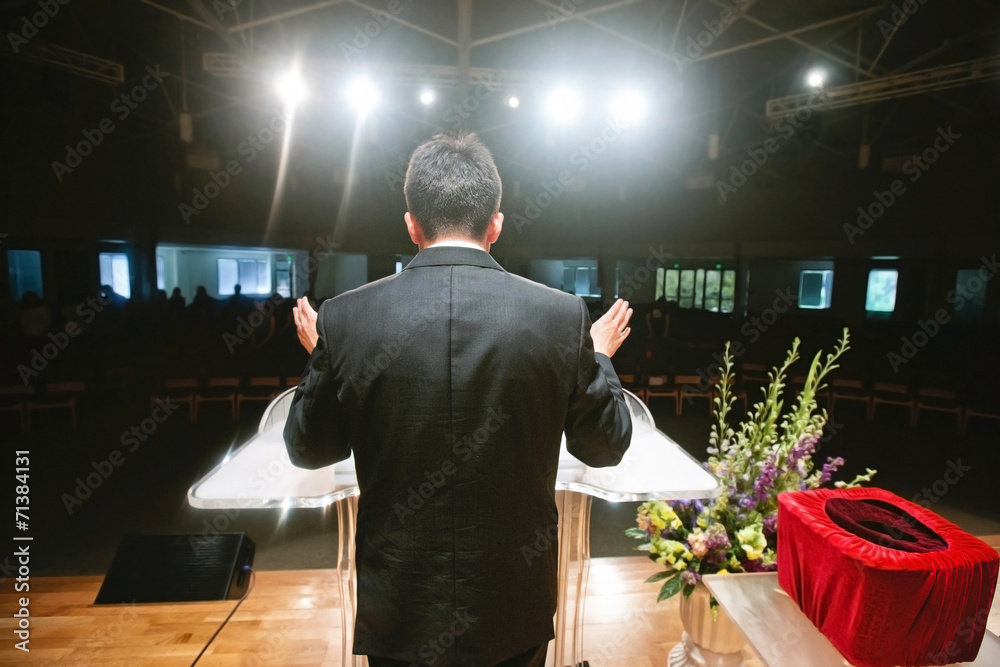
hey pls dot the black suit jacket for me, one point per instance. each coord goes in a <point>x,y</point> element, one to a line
<point>452,383</point>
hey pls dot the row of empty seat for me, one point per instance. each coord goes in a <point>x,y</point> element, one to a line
<point>684,389</point>
<point>24,401</point>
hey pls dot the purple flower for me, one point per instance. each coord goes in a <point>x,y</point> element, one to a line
<point>689,578</point>
<point>770,525</point>
<point>831,466</point>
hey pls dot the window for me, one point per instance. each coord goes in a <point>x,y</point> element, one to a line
<point>252,275</point>
<point>283,276</point>
<point>728,292</point>
<point>970,293</point>
<point>25,272</point>
<point>161,281</point>
<point>815,289</point>
<point>881,290</point>
<point>114,272</point>
<point>713,290</point>
<point>581,280</point>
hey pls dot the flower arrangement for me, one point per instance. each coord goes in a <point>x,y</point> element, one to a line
<point>766,454</point>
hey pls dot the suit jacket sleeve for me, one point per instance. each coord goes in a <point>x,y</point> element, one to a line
<point>316,433</point>
<point>598,422</point>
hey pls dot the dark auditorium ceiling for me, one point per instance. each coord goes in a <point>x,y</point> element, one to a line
<point>708,67</point>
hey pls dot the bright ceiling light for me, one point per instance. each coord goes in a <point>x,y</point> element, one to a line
<point>427,96</point>
<point>292,88</point>
<point>816,78</point>
<point>362,95</point>
<point>628,107</point>
<point>563,105</point>
<point>513,101</point>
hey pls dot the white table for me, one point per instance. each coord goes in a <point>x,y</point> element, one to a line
<point>781,634</point>
<point>259,474</point>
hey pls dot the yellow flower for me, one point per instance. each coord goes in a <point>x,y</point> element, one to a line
<point>723,571</point>
<point>680,565</point>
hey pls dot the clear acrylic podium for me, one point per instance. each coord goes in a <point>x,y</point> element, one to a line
<point>654,468</point>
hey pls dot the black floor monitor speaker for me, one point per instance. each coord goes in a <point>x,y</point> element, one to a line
<point>178,568</point>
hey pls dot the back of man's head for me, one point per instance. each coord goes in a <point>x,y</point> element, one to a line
<point>452,187</point>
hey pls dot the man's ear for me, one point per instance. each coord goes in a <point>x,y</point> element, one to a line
<point>413,228</point>
<point>495,227</point>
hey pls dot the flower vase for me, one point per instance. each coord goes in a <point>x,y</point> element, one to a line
<point>707,641</point>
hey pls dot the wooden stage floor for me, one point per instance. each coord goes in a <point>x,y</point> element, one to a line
<point>292,618</point>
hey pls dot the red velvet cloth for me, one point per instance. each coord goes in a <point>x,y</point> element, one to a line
<point>887,581</point>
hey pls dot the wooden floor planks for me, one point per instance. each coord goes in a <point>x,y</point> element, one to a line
<point>293,618</point>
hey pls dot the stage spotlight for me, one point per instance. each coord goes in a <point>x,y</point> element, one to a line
<point>816,78</point>
<point>292,88</point>
<point>563,105</point>
<point>513,101</point>
<point>362,95</point>
<point>628,107</point>
<point>427,96</point>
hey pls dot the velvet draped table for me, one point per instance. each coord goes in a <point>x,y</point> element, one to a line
<point>259,475</point>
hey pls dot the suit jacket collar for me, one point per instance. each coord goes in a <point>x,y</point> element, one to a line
<point>452,255</point>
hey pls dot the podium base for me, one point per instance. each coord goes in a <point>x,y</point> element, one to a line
<point>689,654</point>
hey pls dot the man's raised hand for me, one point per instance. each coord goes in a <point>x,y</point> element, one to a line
<point>305,324</point>
<point>612,328</point>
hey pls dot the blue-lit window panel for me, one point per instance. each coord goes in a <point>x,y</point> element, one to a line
<point>161,281</point>
<point>115,272</point>
<point>228,275</point>
<point>24,268</point>
<point>815,289</point>
<point>687,289</point>
<point>252,275</point>
<point>881,297</point>
<point>728,291</point>
<point>969,296</point>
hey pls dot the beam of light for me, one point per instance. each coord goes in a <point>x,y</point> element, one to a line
<point>288,122</point>
<point>563,105</point>
<point>628,107</point>
<point>362,95</point>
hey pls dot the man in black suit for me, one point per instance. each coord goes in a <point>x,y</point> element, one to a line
<point>452,382</point>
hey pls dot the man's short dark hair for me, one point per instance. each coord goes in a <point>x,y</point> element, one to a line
<point>452,187</point>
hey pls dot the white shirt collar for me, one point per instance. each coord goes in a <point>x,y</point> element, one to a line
<point>456,244</point>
